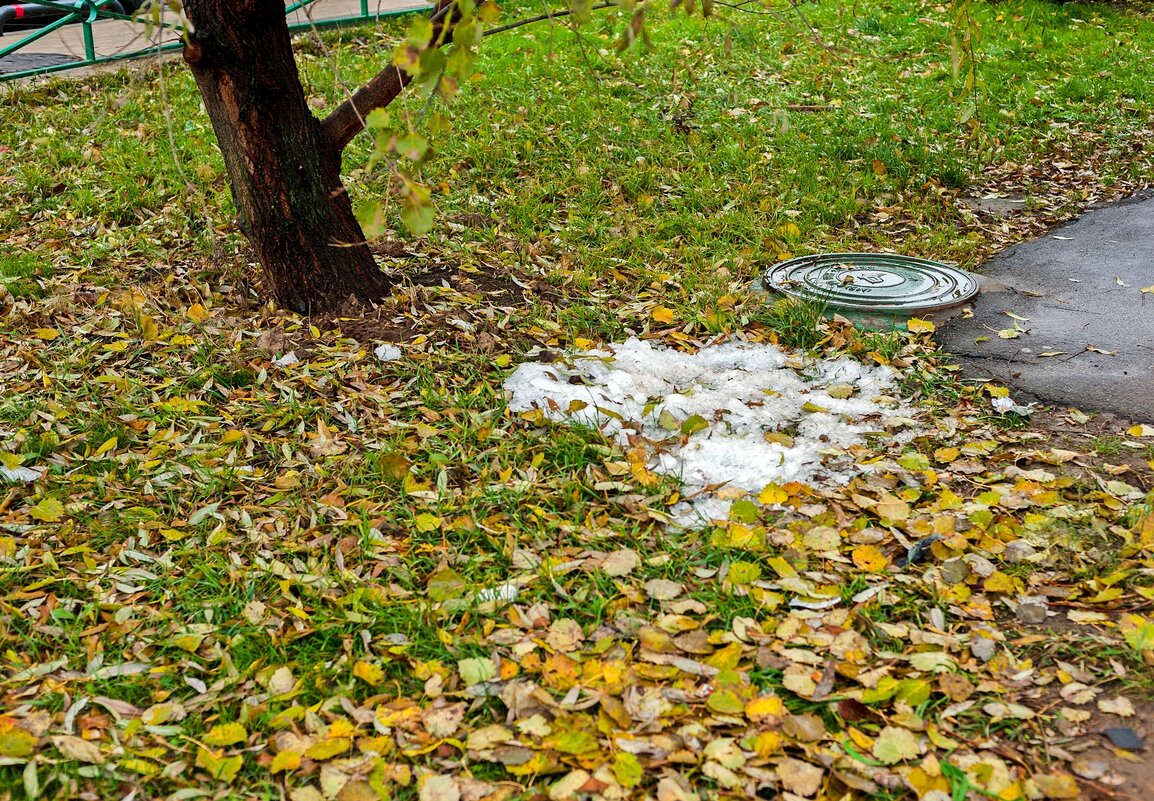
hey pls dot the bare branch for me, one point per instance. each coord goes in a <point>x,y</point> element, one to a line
<point>542,17</point>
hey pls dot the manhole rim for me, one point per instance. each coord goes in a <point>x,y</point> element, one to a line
<point>964,284</point>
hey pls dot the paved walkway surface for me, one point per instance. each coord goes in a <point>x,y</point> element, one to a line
<point>116,37</point>
<point>1064,319</point>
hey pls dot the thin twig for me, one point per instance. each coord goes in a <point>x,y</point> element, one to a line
<point>813,31</point>
<point>742,8</point>
<point>541,18</point>
<point>319,41</point>
<point>552,28</point>
<point>170,129</point>
<point>580,39</point>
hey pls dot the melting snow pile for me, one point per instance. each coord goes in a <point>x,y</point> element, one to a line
<point>737,414</point>
<point>388,353</point>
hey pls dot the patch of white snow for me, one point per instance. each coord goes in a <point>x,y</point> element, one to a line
<point>725,398</point>
<point>388,353</point>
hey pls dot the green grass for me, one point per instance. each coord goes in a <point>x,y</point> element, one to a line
<point>798,323</point>
<point>18,273</point>
<point>1108,446</point>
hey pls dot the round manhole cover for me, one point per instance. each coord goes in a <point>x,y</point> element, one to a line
<point>873,282</point>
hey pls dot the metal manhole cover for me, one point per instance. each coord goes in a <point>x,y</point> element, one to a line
<point>873,282</point>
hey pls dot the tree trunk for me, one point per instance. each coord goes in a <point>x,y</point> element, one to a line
<point>284,174</point>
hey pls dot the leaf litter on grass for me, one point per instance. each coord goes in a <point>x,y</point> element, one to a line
<point>361,576</point>
<point>357,573</point>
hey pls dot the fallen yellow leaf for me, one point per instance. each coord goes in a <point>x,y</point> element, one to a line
<point>868,557</point>
<point>369,673</point>
<point>225,734</point>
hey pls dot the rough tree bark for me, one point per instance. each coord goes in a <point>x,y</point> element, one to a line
<point>283,167</point>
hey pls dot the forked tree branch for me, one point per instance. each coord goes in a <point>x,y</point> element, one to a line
<point>348,119</point>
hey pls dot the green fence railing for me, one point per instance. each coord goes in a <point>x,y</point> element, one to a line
<point>22,57</point>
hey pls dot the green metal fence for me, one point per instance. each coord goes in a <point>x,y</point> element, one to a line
<point>90,13</point>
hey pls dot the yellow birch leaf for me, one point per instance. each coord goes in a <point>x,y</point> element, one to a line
<point>369,673</point>
<point>946,455</point>
<point>141,766</point>
<point>662,315</point>
<point>923,783</point>
<point>426,522</point>
<point>724,702</point>
<point>148,328</point>
<point>999,582</point>
<point>1057,785</point>
<point>783,568</point>
<point>285,760</point>
<point>217,765</point>
<point>1138,631</point>
<point>225,734</point>
<point>772,493</point>
<point>767,743</point>
<point>49,510</point>
<point>769,707</point>
<point>190,643</point>
<point>892,509</point>
<point>895,745</point>
<point>868,557</point>
<point>627,769</point>
<point>17,743</point>
<point>327,749</point>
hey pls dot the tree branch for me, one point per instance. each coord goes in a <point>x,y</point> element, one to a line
<point>348,119</point>
<point>542,17</point>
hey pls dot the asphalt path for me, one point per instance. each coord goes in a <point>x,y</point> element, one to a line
<point>1069,318</point>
